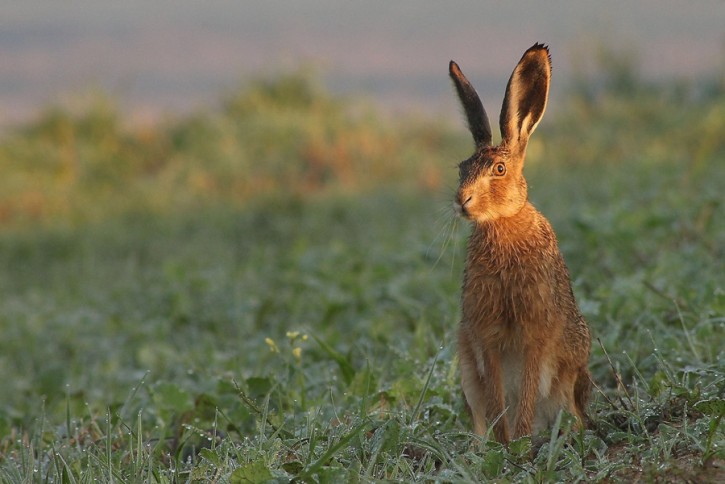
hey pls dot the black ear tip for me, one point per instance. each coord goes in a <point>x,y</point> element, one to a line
<point>539,46</point>
<point>453,67</point>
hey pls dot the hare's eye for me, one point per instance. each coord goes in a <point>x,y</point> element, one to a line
<point>499,169</point>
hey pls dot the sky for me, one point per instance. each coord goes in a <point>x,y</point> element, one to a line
<point>166,56</point>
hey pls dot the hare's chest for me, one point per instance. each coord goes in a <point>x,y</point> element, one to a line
<point>507,303</point>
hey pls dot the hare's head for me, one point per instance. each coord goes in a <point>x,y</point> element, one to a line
<point>492,184</point>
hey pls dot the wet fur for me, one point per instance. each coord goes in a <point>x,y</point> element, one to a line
<point>523,344</point>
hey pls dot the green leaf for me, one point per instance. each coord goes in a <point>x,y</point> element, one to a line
<point>252,473</point>
<point>659,382</point>
<point>386,438</point>
<point>364,383</point>
<point>520,447</point>
<point>346,368</point>
<point>259,387</point>
<point>493,461</point>
<point>713,407</point>
<point>211,456</point>
<point>293,467</point>
<point>331,475</point>
<point>171,397</point>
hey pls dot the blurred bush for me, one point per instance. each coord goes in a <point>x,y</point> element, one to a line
<point>286,136</point>
<point>613,114</point>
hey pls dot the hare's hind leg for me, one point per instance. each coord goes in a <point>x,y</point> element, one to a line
<point>582,389</point>
<point>572,394</point>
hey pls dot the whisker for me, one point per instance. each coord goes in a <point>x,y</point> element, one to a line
<point>450,235</point>
<point>455,244</point>
<point>446,242</point>
<point>441,232</point>
<point>449,227</point>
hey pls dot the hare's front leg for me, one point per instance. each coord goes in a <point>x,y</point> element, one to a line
<point>495,396</point>
<point>536,378</point>
<point>472,385</point>
<point>482,387</point>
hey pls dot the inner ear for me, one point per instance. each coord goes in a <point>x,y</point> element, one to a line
<point>526,96</point>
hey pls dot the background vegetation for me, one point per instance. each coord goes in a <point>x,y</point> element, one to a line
<point>268,290</point>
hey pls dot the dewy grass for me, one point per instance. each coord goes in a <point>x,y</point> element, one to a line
<point>135,333</point>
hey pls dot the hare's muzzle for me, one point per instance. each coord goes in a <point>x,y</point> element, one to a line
<point>459,205</point>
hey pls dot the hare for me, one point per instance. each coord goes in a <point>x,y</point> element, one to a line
<point>523,344</point>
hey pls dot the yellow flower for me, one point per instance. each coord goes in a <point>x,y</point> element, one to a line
<point>293,334</point>
<point>297,352</point>
<point>272,345</point>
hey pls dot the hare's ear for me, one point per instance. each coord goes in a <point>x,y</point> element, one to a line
<point>526,95</point>
<point>477,118</point>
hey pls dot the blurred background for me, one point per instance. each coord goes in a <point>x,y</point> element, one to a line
<point>107,107</point>
<point>169,56</point>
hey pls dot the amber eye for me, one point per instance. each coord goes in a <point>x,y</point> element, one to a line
<point>499,169</point>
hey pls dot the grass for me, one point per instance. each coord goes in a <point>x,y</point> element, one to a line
<point>273,323</point>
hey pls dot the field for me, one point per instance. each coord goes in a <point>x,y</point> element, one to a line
<point>268,290</point>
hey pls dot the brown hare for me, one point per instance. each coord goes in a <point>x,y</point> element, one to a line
<point>523,344</point>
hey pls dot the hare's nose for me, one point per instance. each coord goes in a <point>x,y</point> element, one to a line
<point>460,205</point>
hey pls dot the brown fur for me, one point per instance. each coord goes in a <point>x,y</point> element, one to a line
<point>523,344</point>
